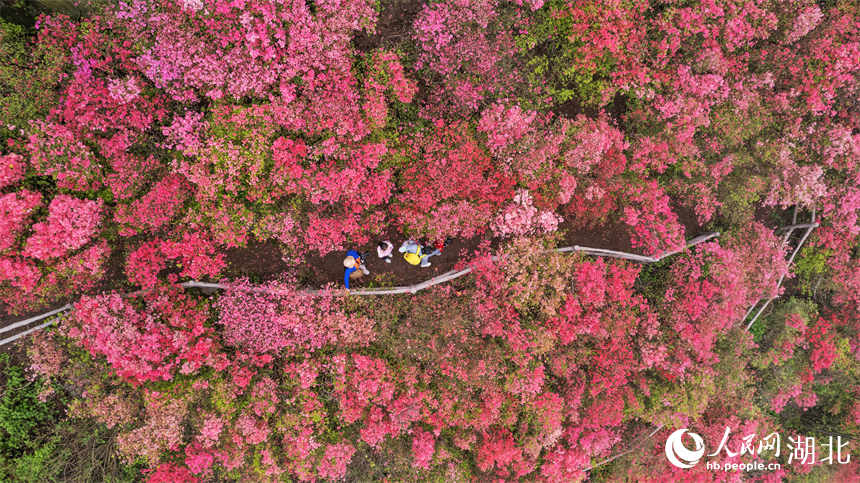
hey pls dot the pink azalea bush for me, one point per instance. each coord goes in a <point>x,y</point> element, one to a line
<point>459,44</point>
<point>655,226</point>
<point>288,321</point>
<point>71,224</point>
<point>521,218</point>
<point>741,270</point>
<point>21,274</point>
<point>55,151</point>
<point>11,169</point>
<point>793,184</point>
<point>449,170</point>
<point>155,209</point>
<point>808,18</point>
<point>15,208</point>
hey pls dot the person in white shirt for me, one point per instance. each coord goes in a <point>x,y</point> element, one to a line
<point>384,250</point>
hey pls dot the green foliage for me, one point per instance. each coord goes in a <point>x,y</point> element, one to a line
<point>770,327</point>
<point>405,117</point>
<point>555,60</point>
<point>731,371</point>
<point>382,280</point>
<point>21,412</point>
<point>29,74</point>
<point>602,473</point>
<point>244,150</point>
<point>759,328</point>
<point>34,467</point>
<point>653,280</point>
<point>691,396</point>
<point>568,82</point>
<point>46,185</point>
<point>737,127</point>
<point>810,268</point>
<point>739,193</point>
<point>75,450</point>
<point>22,418</point>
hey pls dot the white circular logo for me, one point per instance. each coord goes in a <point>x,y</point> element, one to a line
<point>675,449</point>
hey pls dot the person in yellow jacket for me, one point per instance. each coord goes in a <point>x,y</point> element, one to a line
<point>415,253</point>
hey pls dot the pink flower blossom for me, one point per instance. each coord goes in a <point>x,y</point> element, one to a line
<point>15,209</point>
<point>71,224</point>
<point>807,20</point>
<point>123,90</point>
<point>11,169</point>
<point>521,218</point>
<point>422,449</point>
<point>793,184</point>
<point>211,431</point>
<point>335,460</point>
<point>253,430</point>
<point>170,473</point>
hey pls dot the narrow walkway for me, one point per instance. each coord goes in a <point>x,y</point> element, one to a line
<point>369,291</point>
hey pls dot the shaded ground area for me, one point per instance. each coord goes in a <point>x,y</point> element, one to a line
<point>395,22</point>
<point>616,109</point>
<point>259,261</point>
<point>323,270</point>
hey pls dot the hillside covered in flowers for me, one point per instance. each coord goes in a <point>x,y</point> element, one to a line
<point>145,143</point>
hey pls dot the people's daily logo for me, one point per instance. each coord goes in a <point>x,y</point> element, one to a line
<point>800,450</point>
<point>679,455</point>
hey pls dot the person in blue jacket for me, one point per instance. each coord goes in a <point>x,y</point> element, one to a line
<point>354,266</point>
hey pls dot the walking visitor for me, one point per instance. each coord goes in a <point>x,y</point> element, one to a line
<point>415,253</point>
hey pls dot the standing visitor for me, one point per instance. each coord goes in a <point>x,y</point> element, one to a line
<point>384,250</point>
<point>441,244</point>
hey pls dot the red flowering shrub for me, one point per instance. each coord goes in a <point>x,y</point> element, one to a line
<point>466,45</point>
<point>823,348</point>
<point>795,185</point>
<point>499,451</point>
<point>55,151</point>
<point>21,274</point>
<point>557,158</point>
<point>713,288</point>
<point>155,209</point>
<point>11,169</point>
<point>170,473</point>
<point>655,226</point>
<point>446,191</point>
<point>335,460</point>
<point>168,335</point>
<point>196,256</point>
<point>185,46</point>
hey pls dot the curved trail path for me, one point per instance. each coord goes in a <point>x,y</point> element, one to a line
<point>368,291</point>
